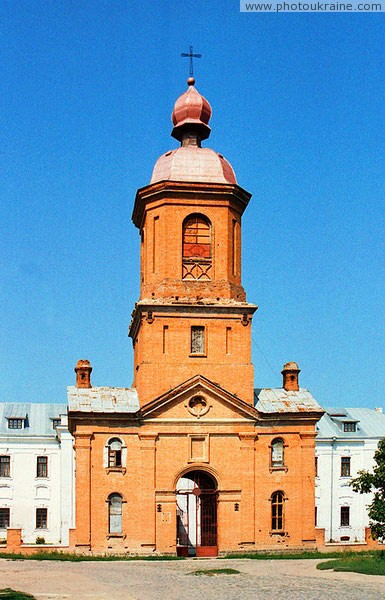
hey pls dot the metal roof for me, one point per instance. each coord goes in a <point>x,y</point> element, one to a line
<point>103,400</point>
<point>370,423</point>
<point>37,418</point>
<point>279,400</point>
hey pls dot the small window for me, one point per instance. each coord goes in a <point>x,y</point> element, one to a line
<point>197,340</point>
<point>42,466</point>
<point>316,465</point>
<point>41,518</point>
<point>345,516</point>
<point>115,513</point>
<point>345,466</point>
<point>55,423</point>
<point>315,516</point>
<point>15,423</point>
<point>4,518</point>
<point>115,453</point>
<point>277,500</point>
<point>350,426</point>
<point>277,458</point>
<point>5,466</point>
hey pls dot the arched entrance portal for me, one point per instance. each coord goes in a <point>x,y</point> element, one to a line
<point>196,518</point>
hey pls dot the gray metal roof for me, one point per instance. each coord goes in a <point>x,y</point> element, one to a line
<point>369,423</point>
<point>37,418</point>
<point>279,400</point>
<point>103,400</point>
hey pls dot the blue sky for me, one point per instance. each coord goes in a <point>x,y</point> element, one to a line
<point>298,109</point>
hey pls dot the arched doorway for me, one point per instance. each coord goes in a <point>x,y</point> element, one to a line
<point>196,520</point>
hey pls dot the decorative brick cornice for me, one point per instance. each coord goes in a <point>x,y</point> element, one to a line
<point>168,190</point>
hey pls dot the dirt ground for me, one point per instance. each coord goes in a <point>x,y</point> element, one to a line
<point>140,580</point>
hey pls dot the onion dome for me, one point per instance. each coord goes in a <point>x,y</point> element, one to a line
<point>191,114</point>
<point>190,162</point>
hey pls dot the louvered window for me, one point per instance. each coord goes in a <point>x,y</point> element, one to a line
<point>196,253</point>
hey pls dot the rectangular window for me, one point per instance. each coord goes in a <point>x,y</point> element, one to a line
<point>4,518</point>
<point>316,466</point>
<point>197,340</point>
<point>41,518</point>
<point>345,516</point>
<point>55,423</point>
<point>5,466</point>
<point>42,466</point>
<point>15,423</point>
<point>350,426</point>
<point>345,466</point>
<point>315,516</point>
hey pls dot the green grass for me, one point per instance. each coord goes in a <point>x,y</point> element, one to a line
<point>212,572</point>
<point>372,564</point>
<point>294,555</point>
<point>81,557</point>
<point>71,557</point>
<point>8,594</point>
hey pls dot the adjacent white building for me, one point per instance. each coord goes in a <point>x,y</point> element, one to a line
<point>36,472</point>
<point>345,444</point>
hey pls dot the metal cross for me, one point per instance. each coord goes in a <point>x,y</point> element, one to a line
<point>191,55</point>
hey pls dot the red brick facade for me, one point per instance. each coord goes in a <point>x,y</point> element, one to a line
<point>247,470</point>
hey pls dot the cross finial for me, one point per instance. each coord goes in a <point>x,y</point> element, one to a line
<point>191,55</point>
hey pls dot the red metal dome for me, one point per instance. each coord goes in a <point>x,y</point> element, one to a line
<point>191,113</point>
<point>193,164</point>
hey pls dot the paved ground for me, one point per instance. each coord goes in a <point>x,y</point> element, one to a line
<point>139,580</point>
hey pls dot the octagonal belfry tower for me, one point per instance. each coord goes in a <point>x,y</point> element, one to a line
<point>192,317</point>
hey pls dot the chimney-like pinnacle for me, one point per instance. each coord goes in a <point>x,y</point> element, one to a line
<point>83,373</point>
<point>290,373</point>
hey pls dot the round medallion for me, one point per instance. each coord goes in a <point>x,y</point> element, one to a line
<point>197,406</point>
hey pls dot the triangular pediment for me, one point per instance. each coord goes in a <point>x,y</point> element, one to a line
<point>198,398</point>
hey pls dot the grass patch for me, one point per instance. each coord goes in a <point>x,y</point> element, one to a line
<point>212,572</point>
<point>8,594</point>
<point>71,557</point>
<point>295,555</point>
<point>373,564</point>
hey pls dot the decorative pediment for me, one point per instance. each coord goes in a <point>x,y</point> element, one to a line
<point>197,399</point>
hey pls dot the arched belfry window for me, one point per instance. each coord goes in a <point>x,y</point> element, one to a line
<point>197,251</point>
<point>115,524</point>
